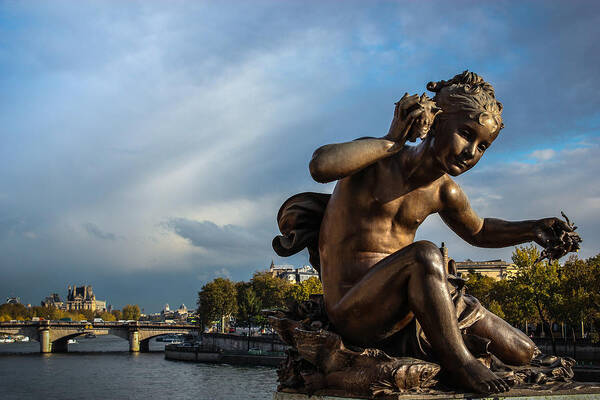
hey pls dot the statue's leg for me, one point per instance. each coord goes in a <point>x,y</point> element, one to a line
<point>412,280</point>
<point>509,344</point>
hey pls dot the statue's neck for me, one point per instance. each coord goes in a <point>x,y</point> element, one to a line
<point>422,166</point>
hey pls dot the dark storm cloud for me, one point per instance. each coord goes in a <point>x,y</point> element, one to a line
<point>205,115</point>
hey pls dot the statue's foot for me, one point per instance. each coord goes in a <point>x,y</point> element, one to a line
<point>476,377</point>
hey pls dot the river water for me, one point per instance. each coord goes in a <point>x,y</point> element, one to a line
<point>102,368</point>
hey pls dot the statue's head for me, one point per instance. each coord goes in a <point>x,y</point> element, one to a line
<point>470,121</point>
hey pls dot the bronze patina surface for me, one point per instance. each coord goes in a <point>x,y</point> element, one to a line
<point>384,291</point>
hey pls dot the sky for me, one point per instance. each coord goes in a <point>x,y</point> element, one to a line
<point>147,146</point>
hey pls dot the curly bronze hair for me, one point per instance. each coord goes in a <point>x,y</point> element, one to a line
<point>468,92</point>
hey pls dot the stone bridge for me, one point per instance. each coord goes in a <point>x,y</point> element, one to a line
<point>54,335</point>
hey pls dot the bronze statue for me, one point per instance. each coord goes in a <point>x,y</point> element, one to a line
<point>382,289</point>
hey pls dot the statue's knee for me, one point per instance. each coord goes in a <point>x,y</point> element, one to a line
<point>526,351</point>
<point>430,258</point>
<point>521,352</point>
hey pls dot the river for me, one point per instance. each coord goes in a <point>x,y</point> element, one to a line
<point>102,368</point>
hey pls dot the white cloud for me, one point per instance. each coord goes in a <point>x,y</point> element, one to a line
<point>543,155</point>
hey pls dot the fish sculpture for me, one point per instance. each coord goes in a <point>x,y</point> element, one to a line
<point>328,363</point>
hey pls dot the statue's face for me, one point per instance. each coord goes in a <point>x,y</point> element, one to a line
<point>460,142</point>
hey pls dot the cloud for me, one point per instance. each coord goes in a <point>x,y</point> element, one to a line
<point>205,116</point>
<point>543,155</point>
<point>93,230</point>
<point>209,236</point>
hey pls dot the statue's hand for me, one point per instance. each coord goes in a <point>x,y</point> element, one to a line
<point>413,118</point>
<point>557,237</point>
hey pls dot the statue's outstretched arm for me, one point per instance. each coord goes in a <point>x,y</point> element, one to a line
<point>492,232</point>
<point>413,117</point>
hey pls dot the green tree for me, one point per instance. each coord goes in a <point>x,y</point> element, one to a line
<point>516,308</point>
<point>271,291</point>
<point>248,306</point>
<point>482,287</point>
<point>580,288</point>
<point>539,284</point>
<point>303,290</point>
<point>131,312</point>
<point>217,300</point>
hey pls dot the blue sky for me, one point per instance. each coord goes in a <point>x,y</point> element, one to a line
<point>147,146</point>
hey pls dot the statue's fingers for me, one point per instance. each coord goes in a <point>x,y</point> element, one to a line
<point>397,110</point>
<point>414,114</point>
<point>563,225</point>
<point>409,101</point>
<point>406,130</point>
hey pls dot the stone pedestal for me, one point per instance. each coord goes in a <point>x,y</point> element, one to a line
<point>588,392</point>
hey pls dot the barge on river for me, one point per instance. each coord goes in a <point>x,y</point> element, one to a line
<point>213,354</point>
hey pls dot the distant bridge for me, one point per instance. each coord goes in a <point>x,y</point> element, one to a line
<point>54,335</point>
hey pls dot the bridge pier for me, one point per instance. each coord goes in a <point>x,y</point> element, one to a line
<point>134,341</point>
<point>45,343</point>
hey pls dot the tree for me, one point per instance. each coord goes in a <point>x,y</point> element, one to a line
<point>131,312</point>
<point>540,284</point>
<point>216,300</point>
<point>117,314</point>
<point>248,306</point>
<point>303,290</point>
<point>580,288</point>
<point>106,316</point>
<point>516,307</point>
<point>271,291</point>
<point>481,286</point>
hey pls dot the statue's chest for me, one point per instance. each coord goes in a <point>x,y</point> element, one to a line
<point>410,210</point>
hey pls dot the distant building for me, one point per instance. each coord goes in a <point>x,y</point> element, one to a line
<point>166,313</point>
<point>53,300</point>
<point>13,300</point>
<point>181,312</point>
<point>291,274</point>
<point>496,269</point>
<point>83,298</point>
<point>78,298</point>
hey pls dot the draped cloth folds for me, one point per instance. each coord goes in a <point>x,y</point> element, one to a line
<point>299,220</point>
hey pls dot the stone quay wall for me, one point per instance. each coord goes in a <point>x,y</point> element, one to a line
<point>270,343</point>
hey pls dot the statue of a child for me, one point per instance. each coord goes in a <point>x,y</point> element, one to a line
<point>382,289</point>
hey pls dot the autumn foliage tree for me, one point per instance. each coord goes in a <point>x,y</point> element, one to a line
<point>543,292</point>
